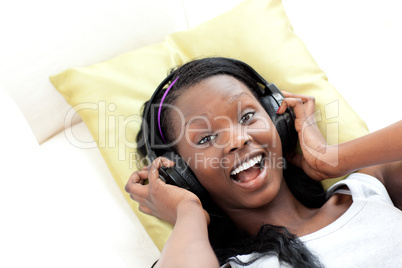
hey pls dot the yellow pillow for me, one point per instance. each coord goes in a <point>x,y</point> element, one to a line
<point>108,96</point>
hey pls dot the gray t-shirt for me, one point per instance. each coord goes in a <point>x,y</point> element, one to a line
<point>368,234</point>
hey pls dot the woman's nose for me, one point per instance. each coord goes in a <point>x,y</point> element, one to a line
<point>237,139</point>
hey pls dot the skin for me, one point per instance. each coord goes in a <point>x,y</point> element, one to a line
<point>232,125</point>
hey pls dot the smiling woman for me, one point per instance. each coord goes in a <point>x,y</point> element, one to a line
<point>233,128</point>
<point>228,137</point>
<point>235,119</point>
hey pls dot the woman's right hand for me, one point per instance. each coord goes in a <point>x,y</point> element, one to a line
<point>158,198</point>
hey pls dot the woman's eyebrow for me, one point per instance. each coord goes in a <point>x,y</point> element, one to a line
<point>236,96</point>
<point>202,117</point>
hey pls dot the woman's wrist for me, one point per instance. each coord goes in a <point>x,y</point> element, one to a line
<point>192,208</point>
<point>332,164</point>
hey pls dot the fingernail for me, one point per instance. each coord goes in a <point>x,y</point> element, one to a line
<point>278,109</point>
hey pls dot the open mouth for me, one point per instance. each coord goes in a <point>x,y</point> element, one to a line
<point>249,170</point>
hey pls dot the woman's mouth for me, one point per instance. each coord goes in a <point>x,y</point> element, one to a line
<point>249,170</point>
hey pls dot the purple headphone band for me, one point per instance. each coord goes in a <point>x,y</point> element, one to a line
<point>160,108</point>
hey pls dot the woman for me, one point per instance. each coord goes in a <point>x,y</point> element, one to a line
<point>264,216</point>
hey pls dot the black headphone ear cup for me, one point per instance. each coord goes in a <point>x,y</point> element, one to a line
<point>284,123</point>
<point>181,175</point>
<point>192,181</point>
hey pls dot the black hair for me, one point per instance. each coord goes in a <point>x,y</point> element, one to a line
<point>226,240</point>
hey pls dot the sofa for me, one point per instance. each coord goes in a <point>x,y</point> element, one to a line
<point>60,206</point>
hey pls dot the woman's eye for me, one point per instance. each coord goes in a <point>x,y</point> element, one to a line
<point>207,139</point>
<point>245,118</point>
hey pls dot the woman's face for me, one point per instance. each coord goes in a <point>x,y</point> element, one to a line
<point>229,142</point>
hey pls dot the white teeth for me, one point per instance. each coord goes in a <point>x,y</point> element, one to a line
<point>247,165</point>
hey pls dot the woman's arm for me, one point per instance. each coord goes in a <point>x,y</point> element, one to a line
<point>188,245</point>
<point>380,147</point>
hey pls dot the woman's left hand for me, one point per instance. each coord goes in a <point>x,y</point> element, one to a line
<point>318,159</point>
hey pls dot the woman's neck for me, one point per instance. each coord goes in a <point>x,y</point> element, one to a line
<point>285,210</point>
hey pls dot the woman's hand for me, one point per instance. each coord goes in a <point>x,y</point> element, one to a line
<point>319,160</point>
<point>158,198</point>
<point>179,207</point>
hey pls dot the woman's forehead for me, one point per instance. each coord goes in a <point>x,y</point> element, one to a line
<point>211,94</point>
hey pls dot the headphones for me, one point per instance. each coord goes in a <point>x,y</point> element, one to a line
<point>181,175</point>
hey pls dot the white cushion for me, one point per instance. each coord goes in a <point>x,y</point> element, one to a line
<point>60,207</point>
<point>95,206</point>
<point>17,139</point>
<point>45,37</point>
